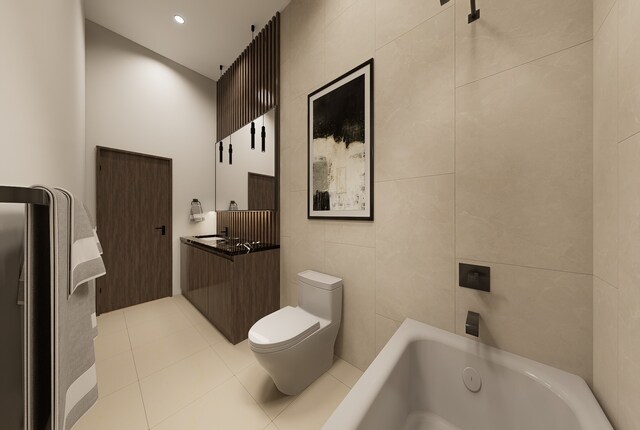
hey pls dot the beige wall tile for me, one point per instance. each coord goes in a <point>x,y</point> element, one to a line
<point>355,265</point>
<point>601,9</point>
<point>629,278</point>
<point>540,314</point>
<point>351,233</point>
<point>415,250</point>
<point>524,165</point>
<point>307,240</point>
<point>513,32</point>
<point>396,17</point>
<point>605,346</point>
<point>304,60</point>
<point>629,61</point>
<point>349,39</point>
<point>385,329</point>
<point>605,151</point>
<point>414,102</point>
<point>335,8</point>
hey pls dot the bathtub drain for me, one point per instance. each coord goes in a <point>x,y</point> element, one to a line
<point>471,379</point>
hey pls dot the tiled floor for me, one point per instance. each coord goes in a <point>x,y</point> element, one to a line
<point>162,365</point>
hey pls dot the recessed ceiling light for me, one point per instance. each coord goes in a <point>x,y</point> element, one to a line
<point>178,19</point>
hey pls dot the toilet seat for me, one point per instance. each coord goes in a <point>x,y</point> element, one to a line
<point>282,329</point>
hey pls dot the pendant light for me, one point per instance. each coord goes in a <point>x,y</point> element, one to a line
<point>221,149</point>
<point>263,135</point>
<point>230,152</point>
<point>253,135</point>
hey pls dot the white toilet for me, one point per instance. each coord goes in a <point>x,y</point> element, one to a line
<point>295,345</point>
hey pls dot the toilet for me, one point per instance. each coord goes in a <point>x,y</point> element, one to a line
<point>295,344</point>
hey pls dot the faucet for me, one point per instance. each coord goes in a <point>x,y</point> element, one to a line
<point>225,231</point>
<point>472,326</point>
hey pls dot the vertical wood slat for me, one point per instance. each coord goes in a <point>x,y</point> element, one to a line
<point>249,86</point>
<point>250,225</point>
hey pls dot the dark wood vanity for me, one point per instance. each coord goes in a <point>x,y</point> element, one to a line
<point>232,290</point>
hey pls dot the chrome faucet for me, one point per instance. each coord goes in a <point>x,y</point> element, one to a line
<point>472,326</point>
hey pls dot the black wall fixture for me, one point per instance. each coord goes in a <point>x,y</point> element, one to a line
<point>475,12</point>
<point>443,2</point>
<point>253,135</point>
<point>474,277</point>
<point>230,154</point>
<point>263,136</point>
<point>221,149</point>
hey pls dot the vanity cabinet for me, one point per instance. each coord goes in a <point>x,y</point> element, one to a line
<point>231,291</point>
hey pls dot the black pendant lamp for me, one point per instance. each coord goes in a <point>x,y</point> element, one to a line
<point>221,149</point>
<point>230,152</point>
<point>263,135</point>
<point>253,135</point>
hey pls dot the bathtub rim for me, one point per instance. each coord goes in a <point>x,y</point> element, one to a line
<point>572,389</point>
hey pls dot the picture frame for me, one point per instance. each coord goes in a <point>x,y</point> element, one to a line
<point>340,147</point>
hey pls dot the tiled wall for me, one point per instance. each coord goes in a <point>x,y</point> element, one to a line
<point>616,263</point>
<point>483,154</point>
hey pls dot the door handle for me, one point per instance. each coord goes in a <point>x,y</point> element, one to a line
<point>163,228</point>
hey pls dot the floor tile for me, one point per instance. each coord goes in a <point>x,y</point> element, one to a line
<point>115,373</point>
<point>210,333</point>
<point>108,345</point>
<point>157,327</point>
<point>141,313</point>
<point>173,388</point>
<point>167,350</point>
<point>111,322</point>
<point>261,387</point>
<point>192,313</point>
<point>122,410</point>
<point>314,406</point>
<point>228,407</point>
<point>237,357</point>
<point>345,372</point>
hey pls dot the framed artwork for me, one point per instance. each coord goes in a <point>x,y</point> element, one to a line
<point>340,147</point>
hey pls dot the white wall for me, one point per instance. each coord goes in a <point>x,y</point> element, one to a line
<point>42,94</point>
<point>140,101</point>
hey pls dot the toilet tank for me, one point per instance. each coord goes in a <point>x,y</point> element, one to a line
<point>320,294</point>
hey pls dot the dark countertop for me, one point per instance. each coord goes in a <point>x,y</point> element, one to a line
<point>227,246</point>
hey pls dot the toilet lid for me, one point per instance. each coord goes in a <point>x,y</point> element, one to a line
<point>282,329</point>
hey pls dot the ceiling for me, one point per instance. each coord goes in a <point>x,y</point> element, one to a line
<point>215,31</point>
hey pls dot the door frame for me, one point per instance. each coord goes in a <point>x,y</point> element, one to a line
<point>99,150</point>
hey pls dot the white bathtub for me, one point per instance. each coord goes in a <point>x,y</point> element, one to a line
<point>416,383</point>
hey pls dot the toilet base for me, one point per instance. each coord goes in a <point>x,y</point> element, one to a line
<point>295,368</point>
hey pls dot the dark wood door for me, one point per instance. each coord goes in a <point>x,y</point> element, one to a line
<point>133,193</point>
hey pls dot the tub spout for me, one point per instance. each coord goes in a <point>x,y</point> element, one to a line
<point>472,326</point>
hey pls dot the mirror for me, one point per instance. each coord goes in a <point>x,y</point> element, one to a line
<point>250,180</point>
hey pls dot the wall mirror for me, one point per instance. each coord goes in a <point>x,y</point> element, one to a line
<point>246,175</point>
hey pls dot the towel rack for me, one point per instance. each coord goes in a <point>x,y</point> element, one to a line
<point>23,195</point>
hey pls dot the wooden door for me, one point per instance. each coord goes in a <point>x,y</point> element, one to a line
<point>133,196</point>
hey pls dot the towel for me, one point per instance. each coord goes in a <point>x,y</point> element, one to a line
<point>73,320</point>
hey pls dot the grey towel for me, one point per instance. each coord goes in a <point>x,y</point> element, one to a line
<point>73,319</point>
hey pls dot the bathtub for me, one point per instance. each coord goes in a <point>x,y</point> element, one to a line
<point>416,382</point>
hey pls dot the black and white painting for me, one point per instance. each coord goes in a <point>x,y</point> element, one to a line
<point>341,147</point>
